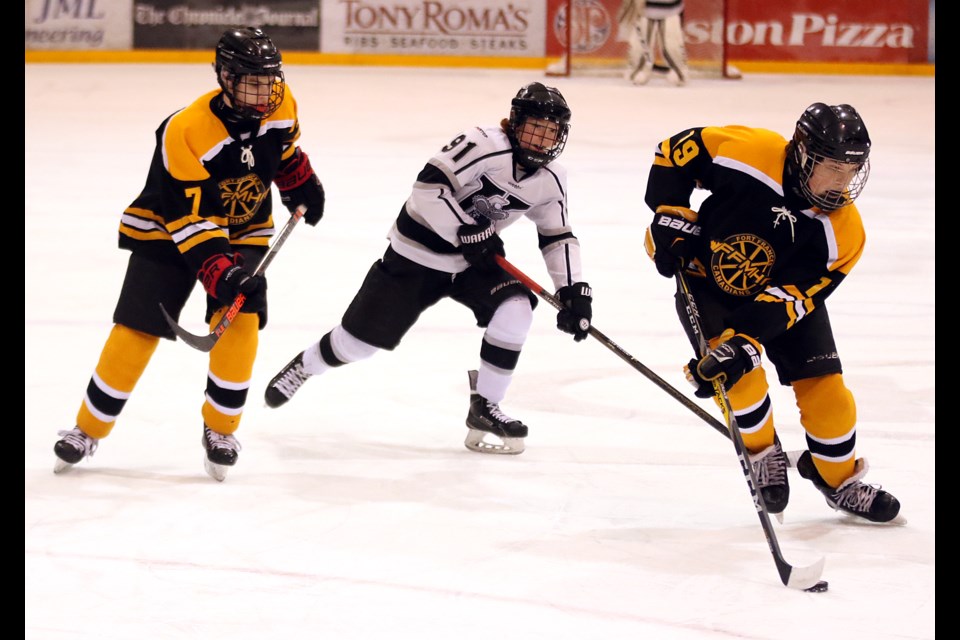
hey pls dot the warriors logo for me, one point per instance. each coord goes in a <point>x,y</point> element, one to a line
<point>741,264</point>
<point>241,197</point>
<point>492,202</point>
<point>491,207</point>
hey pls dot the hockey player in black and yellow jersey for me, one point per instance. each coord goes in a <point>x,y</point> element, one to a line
<point>204,214</point>
<point>776,236</point>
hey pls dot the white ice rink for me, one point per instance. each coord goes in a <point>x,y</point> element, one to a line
<point>355,512</point>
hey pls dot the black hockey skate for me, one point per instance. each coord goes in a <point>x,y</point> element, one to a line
<point>770,467</point>
<point>286,383</point>
<point>221,453</point>
<point>485,418</point>
<point>853,496</point>
<point>72,447</point>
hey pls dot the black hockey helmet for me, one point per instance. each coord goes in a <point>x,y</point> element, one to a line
<point>249,70</point>
<point>830,133</point>
<point>538,101</point>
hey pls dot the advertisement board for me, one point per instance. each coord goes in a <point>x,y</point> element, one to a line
<point>596,33</point>
<point>800,30</point>
<point>805,31</point>
<point>294,25</point>
<point>826,31</point>
<point>78,24</point>
<point>488,28</point>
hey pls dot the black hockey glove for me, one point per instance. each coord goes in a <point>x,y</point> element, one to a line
<point>299,185</point>
<point>736,355</point>
<point>224,277</point>
<point>480,245</point>
<point>576,317</point>
<point>669,239</point>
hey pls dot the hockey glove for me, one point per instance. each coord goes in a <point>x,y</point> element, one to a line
<point>575,318</point>
<point>299,185</point>
<point>669,239</point>
<point>736,355</point>
<point>224,277</point>
<point>480,245</point>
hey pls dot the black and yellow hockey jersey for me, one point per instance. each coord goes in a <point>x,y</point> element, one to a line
<point>769,258</point>
<point>209,184</point>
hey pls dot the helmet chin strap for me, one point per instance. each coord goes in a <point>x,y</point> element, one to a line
<point>237,123</point>
<point>792,190</point>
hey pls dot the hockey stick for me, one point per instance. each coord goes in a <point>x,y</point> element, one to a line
<point>207,342</point>
<point>613,346</point>
<point>792,456</point>
<point>806,578</point>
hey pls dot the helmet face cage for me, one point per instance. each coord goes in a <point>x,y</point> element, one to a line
<point>249,70</point>
<point>831,151</point>
<point>539,102</point>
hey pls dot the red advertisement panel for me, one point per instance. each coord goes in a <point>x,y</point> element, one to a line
<point>593,31</point>
<point>760,30</point>
<point>596,34</point>
<point>827,31</point>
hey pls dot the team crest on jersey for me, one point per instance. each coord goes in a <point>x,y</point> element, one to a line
<point>741,263</point>
<point>491,207</point>
<point>493,202</point>
<point>241,197</point>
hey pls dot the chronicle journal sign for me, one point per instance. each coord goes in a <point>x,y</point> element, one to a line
<point>197,24</point>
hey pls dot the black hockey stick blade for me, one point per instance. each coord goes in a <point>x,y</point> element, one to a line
<point>207,342</point>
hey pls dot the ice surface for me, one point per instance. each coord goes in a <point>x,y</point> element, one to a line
<point>355,512</point>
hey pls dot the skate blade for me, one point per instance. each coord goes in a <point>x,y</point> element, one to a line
<point>216,471</point>
<point>61,465</point>
<point>898,521</point>
<point>475,441</point>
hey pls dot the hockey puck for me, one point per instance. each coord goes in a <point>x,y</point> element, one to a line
<point>820,587</point>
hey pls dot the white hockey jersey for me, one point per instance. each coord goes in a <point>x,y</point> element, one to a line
<point>474,178</point>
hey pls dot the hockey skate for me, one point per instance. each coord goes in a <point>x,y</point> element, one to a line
<point>676,77</point>
<point>770,467</point>
<point>221,453</point>
<point>639,74</point>
<point>286,383</point>
<point>486,419</point>
<point>72,447</point>
<point>853,496</point>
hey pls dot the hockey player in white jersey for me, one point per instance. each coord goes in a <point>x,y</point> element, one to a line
<point>444,244</point>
